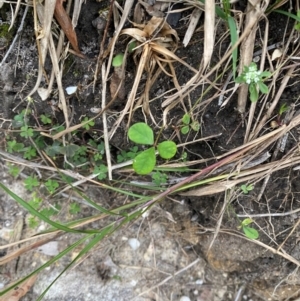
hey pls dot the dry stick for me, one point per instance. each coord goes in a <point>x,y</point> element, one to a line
<point>286,120</point>
<point>45,14</point>
<point>224,183</point>
<point>209,27</point>
<point>262,64</point>
<point>270,214</point>
<point>105,131</point>
<point>57,72</point>
<point>110,49</point>
<point>247,49</point>
<point>284,82</point>
<point>14,15</point>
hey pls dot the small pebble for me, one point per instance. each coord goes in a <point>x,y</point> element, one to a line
<point>184,298</point>
<point>134,243</point>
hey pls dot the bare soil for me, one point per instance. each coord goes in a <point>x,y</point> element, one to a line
<point>176,232</point>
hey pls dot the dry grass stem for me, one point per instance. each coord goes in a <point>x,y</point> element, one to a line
<point>209,32</point>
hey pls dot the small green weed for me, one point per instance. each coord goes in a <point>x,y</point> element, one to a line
<point>145,161</point>
<point>31,183</point>
<point>187,124</point>
<point>101,171</point>
<point>26,131</point>
<point>249,231</point>
<point>29,152</point>
<point>46,119</point>
<point>247,188</point>
<point>124,156</point>
<point>159,178</point>
<point>118,60</point>
<point>254,78</point>
<point>74,208</point>
<point>14,146</point>
<point>89,124</point>
<point>13,170</point>
<point>51,186</point>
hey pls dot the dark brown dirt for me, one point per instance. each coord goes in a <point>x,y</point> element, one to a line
<point>262,274</point>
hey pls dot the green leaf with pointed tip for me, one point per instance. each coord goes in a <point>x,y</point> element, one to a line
<point>263,88</point>
<point>141,133</point>
<point>167,149</point>
<point>250,232</point>
<point>131,46</point>
<point>145,162</point>
<point>253,92</point>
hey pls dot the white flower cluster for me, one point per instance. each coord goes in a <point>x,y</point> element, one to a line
<point>252,75</point>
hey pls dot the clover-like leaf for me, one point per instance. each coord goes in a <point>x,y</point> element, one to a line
<point>144,162</point>
<point>141,133</point>
<point>167,149</point>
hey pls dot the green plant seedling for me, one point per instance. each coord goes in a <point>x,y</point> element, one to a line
<point>254,78</point>
<point>159,178</point>
<point>14,146</point>
<point>74,208</point>
<point>187,124</point>
<point>250,232</point>
<point>31,183</point>
<point>14,170</point>
<point>29,153</point>
<point>145,161</point>
<point>247,188</point>
<point>101,171</point>
<point>89,124</point>
<point>124,156</point>
<point>118,60</point>
<point>51,185</point>
<point>45,118</point>
<point>26,131</point>
<point>283,108</point>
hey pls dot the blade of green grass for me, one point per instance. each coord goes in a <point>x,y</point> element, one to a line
<point>234,39</point>
<point>293,16</point>
<point>34,212</point>
<point>48,263</point>
<point>98,237</point>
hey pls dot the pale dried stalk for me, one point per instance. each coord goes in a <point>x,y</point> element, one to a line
<point>262,68</point>
<point>45,15</point>
<point>247,49</point>
<point>105,131</point>
<point>14,15</point>
<point>57,73</point>
<point>194,18</point>
<point>209,32</point>
<point>254,174</point>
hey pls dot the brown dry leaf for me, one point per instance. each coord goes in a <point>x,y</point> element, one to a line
<point>21,290</point>
<point>66,24</point>
<point>117,84</point>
